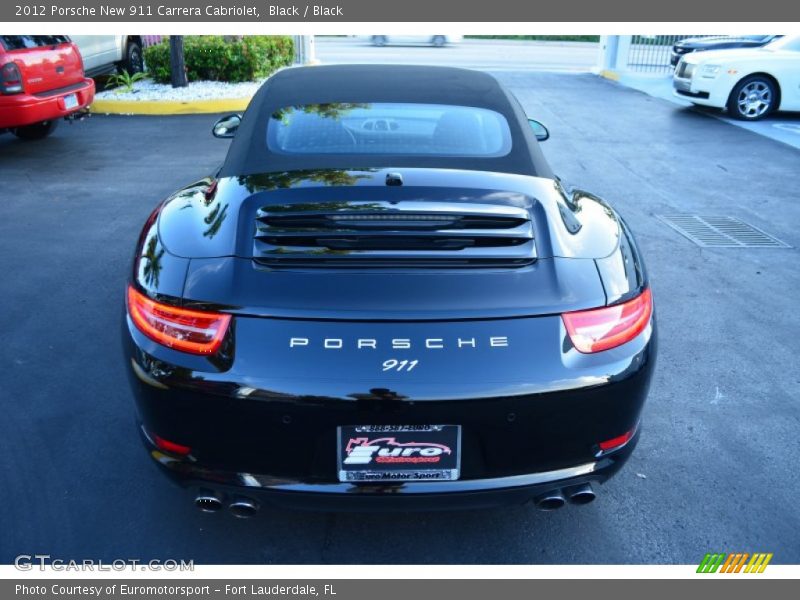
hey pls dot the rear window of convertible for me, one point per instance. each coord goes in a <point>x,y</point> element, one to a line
<point>388,128</point>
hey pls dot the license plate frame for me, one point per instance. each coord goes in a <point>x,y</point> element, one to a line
<point>398,453</point>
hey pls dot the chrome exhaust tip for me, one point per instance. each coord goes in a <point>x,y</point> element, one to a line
<point>243,508</point>
<point>550,501</point>
<point>208,502</point>
<point>580,494</point>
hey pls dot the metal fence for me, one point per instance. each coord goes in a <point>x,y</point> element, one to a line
<point>651,53</point>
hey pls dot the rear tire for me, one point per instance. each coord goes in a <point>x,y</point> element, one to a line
<point>378,40</point>
<point>753,98</point>
<point>134,59</point>
<point>438,41</point>
<point>37,131</point>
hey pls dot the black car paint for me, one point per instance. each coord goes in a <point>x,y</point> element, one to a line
<point>261,414</point>
<point>256,398</point>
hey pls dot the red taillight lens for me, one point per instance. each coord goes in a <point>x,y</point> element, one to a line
<point>10,79</point>
<point>604,328</point>
<point>77,52</point>
<point>193,331</point>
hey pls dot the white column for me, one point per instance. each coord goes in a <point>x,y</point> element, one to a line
<point>623,52</point>
<point>607,56</point>
<point>304,50</point>
<point>311,49</point>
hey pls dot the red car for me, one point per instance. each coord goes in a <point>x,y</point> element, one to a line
<point>41,81</point>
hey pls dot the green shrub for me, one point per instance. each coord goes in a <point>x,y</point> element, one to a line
<point>212,57</point>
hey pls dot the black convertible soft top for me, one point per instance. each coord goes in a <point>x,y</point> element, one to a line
<point>249,153</point>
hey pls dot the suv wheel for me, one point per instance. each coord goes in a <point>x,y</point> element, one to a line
<point>134,59</point>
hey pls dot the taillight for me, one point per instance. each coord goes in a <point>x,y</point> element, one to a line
<point>611,326</point>
<point>193,331</point>
<point>10,79</point>
<point>78,54</point>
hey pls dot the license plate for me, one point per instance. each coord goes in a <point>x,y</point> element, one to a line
<point>70,101</point>
<point>399,453</point>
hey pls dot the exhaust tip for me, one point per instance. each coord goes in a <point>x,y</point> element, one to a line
<point>243,508</point>
<point>581,494</point>
<point>550,501</point>
<point>208,502</point>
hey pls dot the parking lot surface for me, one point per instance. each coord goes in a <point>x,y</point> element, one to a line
<point>782,126</point>
<point>716,466</point>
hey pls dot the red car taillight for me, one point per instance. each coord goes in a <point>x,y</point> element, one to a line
<point>192,331</point>
<point>611,326</point>
<point>10,79</point>
<point>78,54</point>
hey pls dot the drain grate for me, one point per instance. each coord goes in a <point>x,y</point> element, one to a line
<point>721,232</point>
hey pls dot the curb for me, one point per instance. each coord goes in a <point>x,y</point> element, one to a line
<point>608,74</point>
<point>168,107</point>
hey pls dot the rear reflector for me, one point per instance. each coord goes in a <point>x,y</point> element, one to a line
<point>616,442</point>
<point>192,331</point>
<point>172,447</point>
<point>611,326</point>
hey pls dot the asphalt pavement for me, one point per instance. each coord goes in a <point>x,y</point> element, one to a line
<point>716,467</point>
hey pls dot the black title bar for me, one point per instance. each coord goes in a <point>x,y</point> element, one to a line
<point>443,11</point>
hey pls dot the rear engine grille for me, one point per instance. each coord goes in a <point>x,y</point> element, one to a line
<point>392,236</point>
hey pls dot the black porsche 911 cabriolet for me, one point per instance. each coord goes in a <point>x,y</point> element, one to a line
<point>384,299</point>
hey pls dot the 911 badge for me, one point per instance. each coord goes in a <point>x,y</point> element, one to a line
<point>399,453</point>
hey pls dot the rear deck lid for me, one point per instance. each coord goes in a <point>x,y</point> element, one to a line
<point>47,62</point>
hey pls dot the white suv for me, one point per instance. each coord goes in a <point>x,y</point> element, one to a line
<point>103,54</point>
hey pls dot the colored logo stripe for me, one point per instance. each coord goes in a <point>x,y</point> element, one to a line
<point>734,562</point>
<point>710,563</point>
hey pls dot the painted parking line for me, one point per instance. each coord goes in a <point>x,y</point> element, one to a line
<point>791,127</point>
<point>787,130</point>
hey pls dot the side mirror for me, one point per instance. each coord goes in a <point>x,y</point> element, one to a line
<point>539,130</point>
<point>226,127</point>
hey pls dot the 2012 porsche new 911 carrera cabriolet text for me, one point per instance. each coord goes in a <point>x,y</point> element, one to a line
<point>385,299</point>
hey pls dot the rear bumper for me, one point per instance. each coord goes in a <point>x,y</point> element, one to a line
<point>18,110</point>
<point>423,496</point>
<point>275,440</point>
